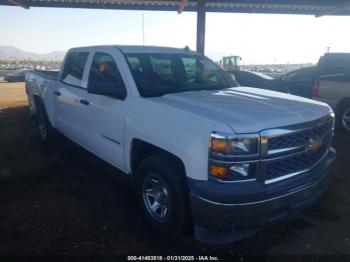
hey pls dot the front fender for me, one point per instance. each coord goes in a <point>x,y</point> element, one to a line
<point>188,147</point>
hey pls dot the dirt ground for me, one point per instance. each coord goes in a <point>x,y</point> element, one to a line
<point>62,200</point>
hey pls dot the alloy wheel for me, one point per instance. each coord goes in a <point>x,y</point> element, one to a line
<point>156,196</point>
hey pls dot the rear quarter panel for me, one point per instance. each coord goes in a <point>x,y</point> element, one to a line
<point>332,91</point>
<point>42,88</point>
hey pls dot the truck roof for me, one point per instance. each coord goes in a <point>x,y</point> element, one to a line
<point>142,49</point>
<point>340,60</point>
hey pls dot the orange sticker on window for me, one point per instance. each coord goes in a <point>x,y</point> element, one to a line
<point>102,68</point>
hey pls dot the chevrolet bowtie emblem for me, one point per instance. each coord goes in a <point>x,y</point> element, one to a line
<point>314,144</point>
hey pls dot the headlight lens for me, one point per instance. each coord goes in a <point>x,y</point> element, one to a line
<point>240,150</point>
<point>240,145</point>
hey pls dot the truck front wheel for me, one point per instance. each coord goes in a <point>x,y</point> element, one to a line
<point>163,195</point>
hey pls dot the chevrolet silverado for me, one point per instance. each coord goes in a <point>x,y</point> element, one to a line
<point>204,152</point>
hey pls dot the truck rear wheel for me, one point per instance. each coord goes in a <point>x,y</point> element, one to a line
<point>343,117</point>
<point>46,132</point>
<point>163,195</point>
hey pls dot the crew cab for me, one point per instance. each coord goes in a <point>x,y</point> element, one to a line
<point>203,151</point>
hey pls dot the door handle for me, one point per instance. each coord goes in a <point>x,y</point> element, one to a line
<point>84,102</point>
<point>57,93</point>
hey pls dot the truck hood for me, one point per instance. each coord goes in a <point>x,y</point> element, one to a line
<point>247,110</point>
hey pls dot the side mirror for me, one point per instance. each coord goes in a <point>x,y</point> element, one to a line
<point>107,88</point>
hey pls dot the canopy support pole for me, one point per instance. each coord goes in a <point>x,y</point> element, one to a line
<point>201,26</point>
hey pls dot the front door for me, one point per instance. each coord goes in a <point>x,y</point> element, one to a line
<point>106,115</point>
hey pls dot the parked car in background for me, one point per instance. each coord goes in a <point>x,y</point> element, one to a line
<point>252,79</point>
<point>15,77</point>
<point>335,91</point>
<point>257,80</point>
<point>151,112</point>
<point>300,82</point>
<point>334,63</point>
<point>297,82</point>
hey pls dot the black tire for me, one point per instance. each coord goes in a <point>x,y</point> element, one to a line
<point>47,133</point>
<point>343,112</point>
<point>177,219</point>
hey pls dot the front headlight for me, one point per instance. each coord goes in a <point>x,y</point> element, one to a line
<point>238,145</point>
<point>232,157</point>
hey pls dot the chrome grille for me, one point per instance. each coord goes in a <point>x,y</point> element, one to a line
<point>291,153</point>
<point>299,138</point>
<point>295,164</point>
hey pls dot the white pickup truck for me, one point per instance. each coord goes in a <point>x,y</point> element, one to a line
<point>203,151</point>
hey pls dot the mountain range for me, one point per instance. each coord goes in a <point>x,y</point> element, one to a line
<point>12,53</point>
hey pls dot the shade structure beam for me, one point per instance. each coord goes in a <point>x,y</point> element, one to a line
<point>201,13</point>
<point>336,10</point>
<point>18,3</point>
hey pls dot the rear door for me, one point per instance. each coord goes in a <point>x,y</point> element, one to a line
<point>70,94</point>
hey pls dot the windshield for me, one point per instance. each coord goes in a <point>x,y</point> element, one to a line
<point>160,74</point>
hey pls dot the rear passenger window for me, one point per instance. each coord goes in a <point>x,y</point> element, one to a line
<point>74,68</point>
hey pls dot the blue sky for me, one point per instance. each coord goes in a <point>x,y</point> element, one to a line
<point>257,38</point>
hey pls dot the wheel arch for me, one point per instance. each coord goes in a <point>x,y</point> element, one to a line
<point>141,149</point>
<point>37,101</point>
<point>343,101</point>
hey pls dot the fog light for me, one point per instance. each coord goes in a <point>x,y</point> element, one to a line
<point>240,169</point>
<point>235,172</point>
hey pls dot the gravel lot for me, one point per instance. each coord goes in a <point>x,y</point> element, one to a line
<point>62,200</point>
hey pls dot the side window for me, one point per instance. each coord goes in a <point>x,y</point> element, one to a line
<point>301,75</point>
<point>190,65</point>
<point>162,67</point>
<point>195,68</point>
<point>136,70</point>
<point>134,63</point>
<point>74,68</point>
<point>104,72</point>
<point>292,77</point>
<point>209,71</point>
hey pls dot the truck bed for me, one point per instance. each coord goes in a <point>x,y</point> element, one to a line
<point>52,75</point>
<point>40,84</point>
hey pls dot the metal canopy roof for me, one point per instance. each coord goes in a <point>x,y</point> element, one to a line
<point>308,7</point>
<point>201,7</point>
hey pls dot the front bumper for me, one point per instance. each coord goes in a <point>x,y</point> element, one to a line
<point>226,212</point>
